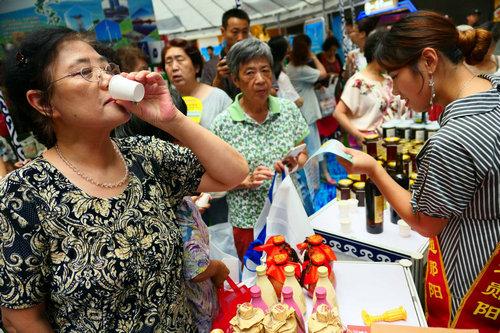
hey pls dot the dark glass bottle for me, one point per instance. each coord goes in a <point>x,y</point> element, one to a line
<point>396,171</point>
<point>374,202</point>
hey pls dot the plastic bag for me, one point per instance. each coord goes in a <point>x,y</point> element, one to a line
<point>222,248</point>
<point>283,214</point>
<point>228,301</point>
<point>326,97</point>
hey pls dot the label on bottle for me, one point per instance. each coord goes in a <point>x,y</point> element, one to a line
<point>407,134</point>
<point>420,135</point>
<point>379,209</point>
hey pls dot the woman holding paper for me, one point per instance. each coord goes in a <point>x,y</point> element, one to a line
<point>367,97</point>
<point>88,240</point>
<point>455,200</point>
<point>263,128</point>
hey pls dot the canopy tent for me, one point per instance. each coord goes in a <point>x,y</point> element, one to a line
<point>192,19</point>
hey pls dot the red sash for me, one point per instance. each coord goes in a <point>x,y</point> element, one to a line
<point>480,307</point>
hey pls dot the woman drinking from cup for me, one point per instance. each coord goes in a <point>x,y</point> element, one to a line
<point>89,241</point>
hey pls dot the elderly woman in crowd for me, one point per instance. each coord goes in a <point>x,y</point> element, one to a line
<point>263,128</point>
<point>183,63</point>
<point>88,234</point>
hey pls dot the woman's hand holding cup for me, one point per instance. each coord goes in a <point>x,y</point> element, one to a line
<point>157,106</point>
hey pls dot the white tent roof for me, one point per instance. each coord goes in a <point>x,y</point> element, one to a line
<point>202,18</point>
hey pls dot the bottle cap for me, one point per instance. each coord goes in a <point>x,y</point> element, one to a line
<point>392,140</point>
<point>322,271</point>
<point>287,292</point>
<point>320,292</point>
<point>359,185</point>
<point>289,270</point>
<point>255,291</point>
<point>371,137</point>
<point>315,239</point>
<point>354,177</point>
<point>279,311</point>
<point>318,259</point>
<point>261,269</point>
<point>278,240</point>
<point>345,182</point>
<point>246,310</point>
<point>323,313</point>
<point>280,258</point>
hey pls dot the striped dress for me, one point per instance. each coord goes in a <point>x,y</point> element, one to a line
<point>459,180</point>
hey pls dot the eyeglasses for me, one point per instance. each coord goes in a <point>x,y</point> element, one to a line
<point>92,73</point>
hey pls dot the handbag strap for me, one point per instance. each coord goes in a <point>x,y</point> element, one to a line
<point>233,285</point>
<point>251,254</point>
<point>271,188</point>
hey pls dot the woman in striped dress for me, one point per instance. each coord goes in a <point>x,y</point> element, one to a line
<point>456,198</point>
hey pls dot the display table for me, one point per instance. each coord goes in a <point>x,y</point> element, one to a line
<point>388,246</point>
<point>376,287</point>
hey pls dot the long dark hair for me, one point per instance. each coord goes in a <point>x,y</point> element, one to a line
<point>279,48</point>
<point>300,50</point>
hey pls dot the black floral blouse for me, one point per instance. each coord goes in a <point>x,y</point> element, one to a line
<point>100,265</point>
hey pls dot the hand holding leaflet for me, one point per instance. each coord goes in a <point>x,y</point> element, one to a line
<point>295,151</point>
<point>334,147</point>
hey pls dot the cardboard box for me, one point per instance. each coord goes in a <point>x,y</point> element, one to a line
<point>384,328</point>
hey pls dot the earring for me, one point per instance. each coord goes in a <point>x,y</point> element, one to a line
<point>433,90</point>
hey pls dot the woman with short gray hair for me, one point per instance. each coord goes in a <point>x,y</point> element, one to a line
<point>261,127</point>
<point>246,50</point>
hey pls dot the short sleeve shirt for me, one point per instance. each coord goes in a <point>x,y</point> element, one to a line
<point>459,180</point>
<point>100,265</point>
<point>260,144</point>
<point>368,101</point>
<point>216,102</point>
<point>303,78</point>
<point>286,89</point>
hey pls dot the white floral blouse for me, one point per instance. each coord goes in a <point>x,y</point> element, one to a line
<point>100,265</point>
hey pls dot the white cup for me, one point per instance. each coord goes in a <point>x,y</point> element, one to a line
<point>202,201</point>
<point>344,208</point>
<point>353,205</point>
<point>404,229</point>
<point>345,226</point>
<point>125,89</point>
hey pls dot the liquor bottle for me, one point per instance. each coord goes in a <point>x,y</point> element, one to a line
<point>257,300</point>
<point>324,281</point>
<point>267,291</point>
<point>374,204</point>
<point>396,171</point>
<point>298,294</point>
<point>320,293</point>
<point>287,294</point>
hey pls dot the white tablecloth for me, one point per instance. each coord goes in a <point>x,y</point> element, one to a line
<point>327,220</point>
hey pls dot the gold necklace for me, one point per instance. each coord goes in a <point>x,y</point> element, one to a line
<point>90,179</point>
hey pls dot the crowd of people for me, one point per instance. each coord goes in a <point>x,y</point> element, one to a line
<point>101,233</point>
